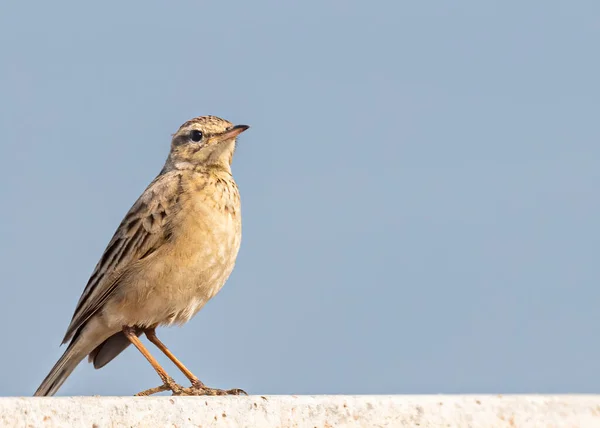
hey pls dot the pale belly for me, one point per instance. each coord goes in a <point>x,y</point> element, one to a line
<point>174,283</point>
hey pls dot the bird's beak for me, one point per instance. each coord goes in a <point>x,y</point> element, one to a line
<point>232,132</point>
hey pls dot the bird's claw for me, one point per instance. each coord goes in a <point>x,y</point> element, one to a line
<point>169,385</point>
<point>204,390</point>
<point>197,389</point>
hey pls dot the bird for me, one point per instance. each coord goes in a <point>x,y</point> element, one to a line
<point>173,251</point>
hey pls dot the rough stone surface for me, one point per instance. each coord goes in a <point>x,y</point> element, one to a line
<point>305,411</point>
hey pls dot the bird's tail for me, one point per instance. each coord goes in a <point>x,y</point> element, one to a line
<point>62,369</point>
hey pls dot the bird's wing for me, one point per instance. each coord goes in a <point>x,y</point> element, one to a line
<point>143,230</point>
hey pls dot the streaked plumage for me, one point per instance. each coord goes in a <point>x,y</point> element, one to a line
<point>172,252</point>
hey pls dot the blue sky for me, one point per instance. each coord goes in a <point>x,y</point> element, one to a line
<point>419,188</point>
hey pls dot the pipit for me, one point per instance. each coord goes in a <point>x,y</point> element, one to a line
<point>172,253</point>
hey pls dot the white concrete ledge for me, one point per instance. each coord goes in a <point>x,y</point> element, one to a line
<point>305,411</point>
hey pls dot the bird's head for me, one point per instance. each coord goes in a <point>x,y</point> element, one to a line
<point>204,141</point>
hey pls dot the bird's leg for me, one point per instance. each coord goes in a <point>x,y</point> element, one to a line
<point>198,388</point>
<point>151,335</point>
<point>168,382</point>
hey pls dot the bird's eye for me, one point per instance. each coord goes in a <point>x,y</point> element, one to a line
<point>196,135</point>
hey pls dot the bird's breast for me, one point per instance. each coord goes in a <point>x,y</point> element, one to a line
<point>206,238</point>
<point>174,283</point>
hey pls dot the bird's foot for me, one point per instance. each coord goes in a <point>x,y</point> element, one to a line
<point>209,391</point>
<point>169,385</point>
<point>198,388</point>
